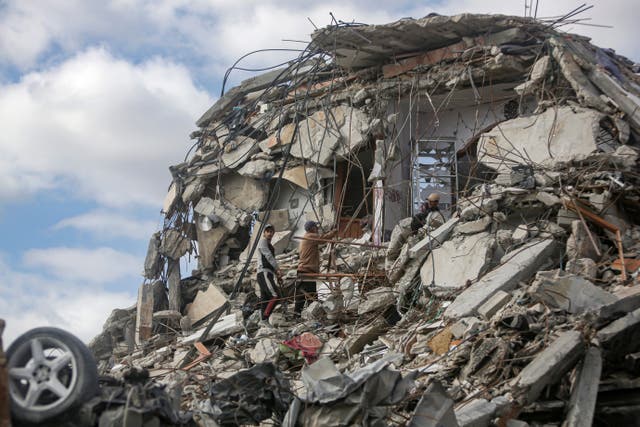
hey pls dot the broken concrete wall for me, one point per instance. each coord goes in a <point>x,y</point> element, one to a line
<point>540,139</point>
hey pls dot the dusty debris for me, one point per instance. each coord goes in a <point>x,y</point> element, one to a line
<point>530,139</point>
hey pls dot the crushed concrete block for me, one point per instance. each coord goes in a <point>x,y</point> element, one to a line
<point>566,217</point>
<point>174,245</point>
<point>313,311</point>
<point>473,227</point>
<point>331,346</point>
<point>472,254</point>
<point>365,335</point>
<point>620,337</point>
<point>258,169</point>
<point>226,325</point>
<point>466,326</point>
<point>376,299</point>
<point>568,292</point>
<point>530,139</point>
<point>238,151</point>
<point>585,390</point>
<point>243,192</point>
<point>434,239</point>
<point>585,267</point>
<point>435,409</point>
<point>205,303</point>
<point>477,413</point>
<point>516,266</point>
<point>549,365</point>
<point>152,262</point>
<point>520,234</point>
<point>548,199</point>
<point>494,304</point>
<point>579,245</point>
<point>265,350</point>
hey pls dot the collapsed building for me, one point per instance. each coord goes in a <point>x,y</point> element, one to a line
<point>521,309</point>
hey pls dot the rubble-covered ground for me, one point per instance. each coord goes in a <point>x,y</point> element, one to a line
<point>523,308</point>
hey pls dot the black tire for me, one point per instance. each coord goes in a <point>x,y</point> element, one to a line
<point>62,375</point>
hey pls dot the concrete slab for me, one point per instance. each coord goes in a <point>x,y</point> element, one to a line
<point>477,413</point>
<point>620,337</point>
<point>568,292</point>
<point>517,265</point>
<point>226,325</point>
<point>494,304</point>
<point>206,302</point>
<point>238,151</point>
<point>548,366</point>
<point>470,254</point>
<point>585,390</point>
<point>376,299</point>
<point>530,139</point>
<point>473,227</point>
<point>243,192</point>
<point>434,239</point>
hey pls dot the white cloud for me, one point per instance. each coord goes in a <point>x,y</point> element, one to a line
<point>109,224</point>
<point>30,300</point>
<point>96,265</point>
<point>101,126</point>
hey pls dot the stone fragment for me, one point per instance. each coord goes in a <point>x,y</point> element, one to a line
<point>519,235</point>
<point>152,262</point>
<point>434,239</point>
<point>258,169</point>
<point>548,366</point>
<point>435,409</point>
<point>236,152</point>
<point>548,199</point>
<point>585,390</point>
<point>226,325</point>
<point>144,315</point>
<point>243,192</point>
<point>568,292</point>
<point>530,139</point>
<point>376,299</point>
<point>174,245</point>
<point>579,245</point>
<point>566,217</point>
<point>466,326</point>
<point>516,266</point>
<point>472,254</point>
<point>477,413</point>
<point>313,311</point>
<point>585,267</point>
<point>205,303</point>
<point>265,350</point>
<point>365,335</point>
<point>494,304</point>
<point>473,227</point>
<point>620,337</point>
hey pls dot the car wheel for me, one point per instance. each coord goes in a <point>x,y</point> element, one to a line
<point>50,371</point>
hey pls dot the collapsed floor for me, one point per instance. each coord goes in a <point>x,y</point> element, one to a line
<point>521,309</point>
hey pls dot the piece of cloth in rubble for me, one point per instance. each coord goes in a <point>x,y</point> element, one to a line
<point>251,396</point>
<point>308,344</point>
<point>266,256</point>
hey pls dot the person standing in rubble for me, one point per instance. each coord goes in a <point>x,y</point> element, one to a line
<point>267,272</point>
<point>429,214</point>
<point>429,218</point>
<point>309,263</point>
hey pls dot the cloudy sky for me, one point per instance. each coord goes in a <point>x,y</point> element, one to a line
<point>97,99</point>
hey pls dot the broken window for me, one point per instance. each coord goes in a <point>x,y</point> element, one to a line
<point>434,170</point>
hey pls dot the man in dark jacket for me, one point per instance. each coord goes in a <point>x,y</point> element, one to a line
<point>267,272</point>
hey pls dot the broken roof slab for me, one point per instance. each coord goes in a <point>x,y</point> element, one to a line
<point>368,45</point>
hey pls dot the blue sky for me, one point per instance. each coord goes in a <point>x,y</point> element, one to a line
<point>97,99</point>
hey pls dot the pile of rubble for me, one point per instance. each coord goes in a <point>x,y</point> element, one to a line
<point>521,309</point>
